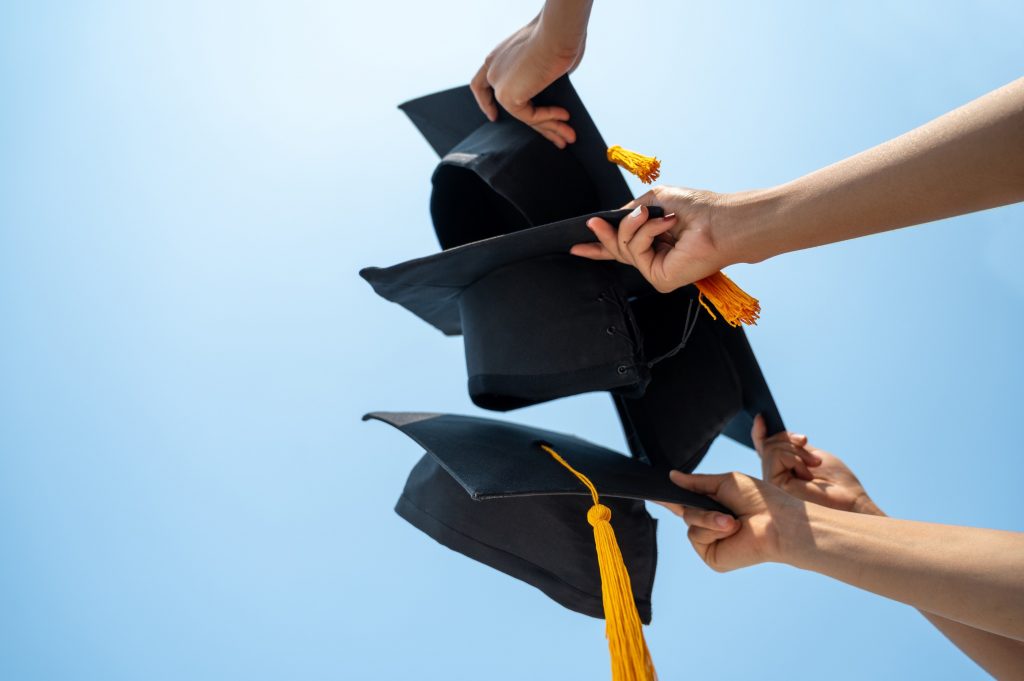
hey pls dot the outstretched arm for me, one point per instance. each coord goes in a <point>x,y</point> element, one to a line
<point>812,474</point>
<point>968,575</point>
<point>970,159</point>
<point>967,160</point>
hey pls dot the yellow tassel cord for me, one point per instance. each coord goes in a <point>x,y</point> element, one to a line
<point>647,168</point>
<point>734,304</point>
<point>631,660</point>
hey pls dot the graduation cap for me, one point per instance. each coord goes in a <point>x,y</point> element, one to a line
<point>514,498</point>
<point>539,324</point>
<point>483,482</point>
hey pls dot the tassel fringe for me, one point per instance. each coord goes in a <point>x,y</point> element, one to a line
<point>647,168</point>
<point>734,304</point>
<point>631,660</point>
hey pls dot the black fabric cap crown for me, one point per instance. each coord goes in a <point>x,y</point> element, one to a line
<point>539,324</point>
<point>487,490</point>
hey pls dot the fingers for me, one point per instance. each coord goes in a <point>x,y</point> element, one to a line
<point>789,449</point>
<point>782,459</point>
<point>534,115</point>
<point>558,128</point>
<point>635,242</point>
<point>551,136</point>
<point>592,251</point>
<point>757,434</point>
<point>549,121</point>
<point>699,483</point>
<point>797,466</point>
<point>644,248</point>
<point>556,132</point>
<point>808,457</point>
<point>484,93</point>
<point>713,521</point>
<point>605,234</point>
<point>703,536</point>
<point>628,227</point>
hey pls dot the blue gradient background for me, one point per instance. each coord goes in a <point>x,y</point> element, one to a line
<point>188,190</point>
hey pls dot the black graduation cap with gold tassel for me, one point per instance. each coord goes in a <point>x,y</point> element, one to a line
<point>479,473</point>
<point>539,324</point>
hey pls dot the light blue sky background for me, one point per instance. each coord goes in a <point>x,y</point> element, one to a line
<point>187,190</point>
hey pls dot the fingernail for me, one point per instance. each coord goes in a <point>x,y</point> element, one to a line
<point>636,212</point>
<point>669,216</point>
<point>723,520</point>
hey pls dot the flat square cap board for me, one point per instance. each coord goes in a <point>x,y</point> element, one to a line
<point>493,459</point>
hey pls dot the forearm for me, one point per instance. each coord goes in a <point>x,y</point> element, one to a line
<point>969,575</point>
<point>1000,656</point>
<point>967,160</point>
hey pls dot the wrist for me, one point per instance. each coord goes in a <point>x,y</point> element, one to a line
<point>561,30</point>
<point>744,223</point>
<point>799,533</point>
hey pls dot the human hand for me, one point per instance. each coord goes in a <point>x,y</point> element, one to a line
<point>789,462</point>
<point>669,252</point>
<point>757,533</point>
<point>524,64</point>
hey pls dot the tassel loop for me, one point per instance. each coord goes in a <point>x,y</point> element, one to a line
<point>647,168</point>
<point>631,660</point>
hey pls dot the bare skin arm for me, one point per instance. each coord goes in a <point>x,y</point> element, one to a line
<point>812,474</point>
<point>967,160</point>
<point>966,574</point>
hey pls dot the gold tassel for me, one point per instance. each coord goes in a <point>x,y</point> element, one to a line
<point>734,304</point>
<point>631,660</point>
<point>647,168</point>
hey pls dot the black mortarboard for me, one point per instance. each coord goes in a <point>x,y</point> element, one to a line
<point>489,491</point>
<point>540,324</point>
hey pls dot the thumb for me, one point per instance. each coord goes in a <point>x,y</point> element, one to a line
<point>758,432</point>
<point>698,482</point>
